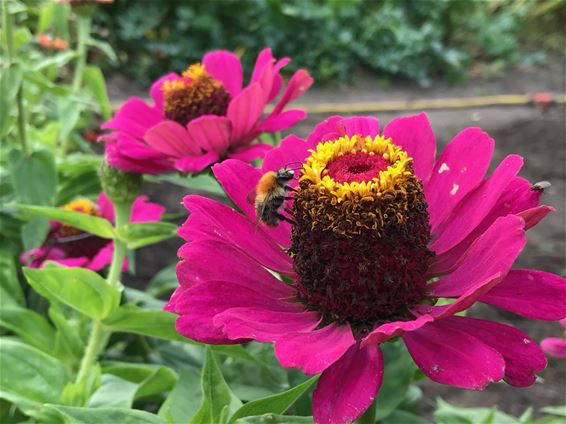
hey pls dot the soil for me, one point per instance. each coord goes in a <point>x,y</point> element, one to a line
<point>537,135</point>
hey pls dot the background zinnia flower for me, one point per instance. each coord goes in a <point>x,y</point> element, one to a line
<point>70,246</point>
<point>555,346</point>
<point>382,229</point>
<point>204,115</point>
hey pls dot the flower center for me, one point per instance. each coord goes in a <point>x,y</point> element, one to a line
<point>196,94</point>
<point>359,241</point>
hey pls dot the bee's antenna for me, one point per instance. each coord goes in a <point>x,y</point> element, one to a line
<point>300,165</point>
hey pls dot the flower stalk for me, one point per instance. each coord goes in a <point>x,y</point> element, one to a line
<point>83,31</point>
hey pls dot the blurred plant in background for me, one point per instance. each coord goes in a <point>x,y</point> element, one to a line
<point>334,39</point>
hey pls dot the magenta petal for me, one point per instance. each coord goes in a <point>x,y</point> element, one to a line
<point>297,85</point>
<point>314,351</point>
<point>292,149</point>
<point>264,325</point>
<point>532,294</point>
<point>523,357</point>
<point>328,126</point>
<point>414,134</point>
<point>459,169</point>
<point>156,90</point>
<point>472,210</point>
<point>249,153</point>
<point>553,346</point>
<point>493,252</point>
<point>389,330</point>
<point>360,125</point>
<point>194,164</point>
<point>467,299</point>
<point>453,357</point>
<point>102,259</point>
<point>239,179</point>
<point>170,138</point>
<point>201,329</point>
<point>145,211</point>
<point>210,133</point>
<point>212,220</point>
<point>128,154</point>
<point>213,260</point>
<point>69,262</point>
<point>225,66</point>
<point>517,197</point>
<point>282,121</point>
<point>105,207</point>
<point>134,117</point>
<point>264,58</point>
<point>348,387</point>
<point>244,111</point>
<point>534,215</point>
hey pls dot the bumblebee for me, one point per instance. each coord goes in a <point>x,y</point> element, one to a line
<point>270,194</point>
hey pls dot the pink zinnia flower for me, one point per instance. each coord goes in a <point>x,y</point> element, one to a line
<point>70,246</point>
<point>555,346</point>
<point>382,229</point>
<point>203,116</point>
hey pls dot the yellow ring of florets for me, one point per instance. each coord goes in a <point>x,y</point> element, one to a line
<point>325,152</point>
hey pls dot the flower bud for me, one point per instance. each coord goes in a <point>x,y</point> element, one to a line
<point>119,186</point>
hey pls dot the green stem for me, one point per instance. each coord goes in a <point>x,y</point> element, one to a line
<point>9,49</point>
<point>98,335</point>
<point>83,32</point>
<point>93,347</point>
<point>122,215</point>
<point>369,415</point>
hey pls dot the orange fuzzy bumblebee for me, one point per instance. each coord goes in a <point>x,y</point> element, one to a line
<point>270,194</point>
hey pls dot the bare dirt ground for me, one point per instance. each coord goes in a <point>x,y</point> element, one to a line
<point>539,136</point>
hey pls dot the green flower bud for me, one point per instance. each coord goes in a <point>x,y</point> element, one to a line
<point>119,186</point>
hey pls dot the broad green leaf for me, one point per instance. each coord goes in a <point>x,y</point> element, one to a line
<point>29,326</point>
<point>139,234</point>
<point>104,47</point>
<point>397,378</point>
<point>164,282</point>
<point>131,319</point>
<point>94,82</point>
<point>150,379</point>
<point>34,177</point>
<point>77,415</point>
<point>185,398</point>
<point>218,401</point>
<point>398,416</point>
<point>450,414</point>
<point>29,373</point>
<point>277,419</point>
<point>11,293</point>
<point>275,404</point>
<point>68,344</point>
<point>559,410</point>
<point>91,224</point>
<point>34,232</point>
<point>10,82</point>
<point>45,84</point>
<point>69,112</point>
<point>81,289</point>
<point>58,60</point>
<point>114,392</point>
<point>84,184</point>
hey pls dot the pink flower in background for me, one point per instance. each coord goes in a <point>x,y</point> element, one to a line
<point>204,115</point>
<point>555,346</point>
<point>70,246</point>
<point>381,229</point>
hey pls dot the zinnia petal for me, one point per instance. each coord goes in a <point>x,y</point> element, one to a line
<point>172,139</point>
<point>226,67</point>
<point>244,111</point>
<point>211,133</point>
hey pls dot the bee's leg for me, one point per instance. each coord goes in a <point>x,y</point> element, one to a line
<point>289,198</point>
<point>284,218</point>
<point>289,211</point>
<point>289,188</point>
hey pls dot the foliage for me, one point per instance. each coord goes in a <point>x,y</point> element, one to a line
<point>333,39</point>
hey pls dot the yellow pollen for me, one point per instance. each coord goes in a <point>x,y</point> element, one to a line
<point>194,71</point>
<point>390,179</point>
<point>82,205</point>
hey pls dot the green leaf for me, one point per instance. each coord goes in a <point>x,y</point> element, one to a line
<point>276,419</point>
<point>58,60</point>
<point>131,319</point>
<point>91,224</point>
<point>104,47</point>
<point>69,112</point>
<point>10,82</point>
<point>11,293</point>
<point>559,410</point>
<point>276,404</point>
<point>397,378</point>
<point>164,282</point>
<point>141,234</point>
<point>78,415</point>
<point>84,184</point>
<point>44,84</point>
<point>203,183</point>
<point>185,398</point>
<point>404,417</point>
<point>27,373</point>
<point>114,392</point>
<point>150,379</point>
<point>81,289</point>
<point>34,232</point>
<point>450,414</point>
<point>29,325</point>
<point>94,82</point>
<point>34,178</point>
<point>218,400</point>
